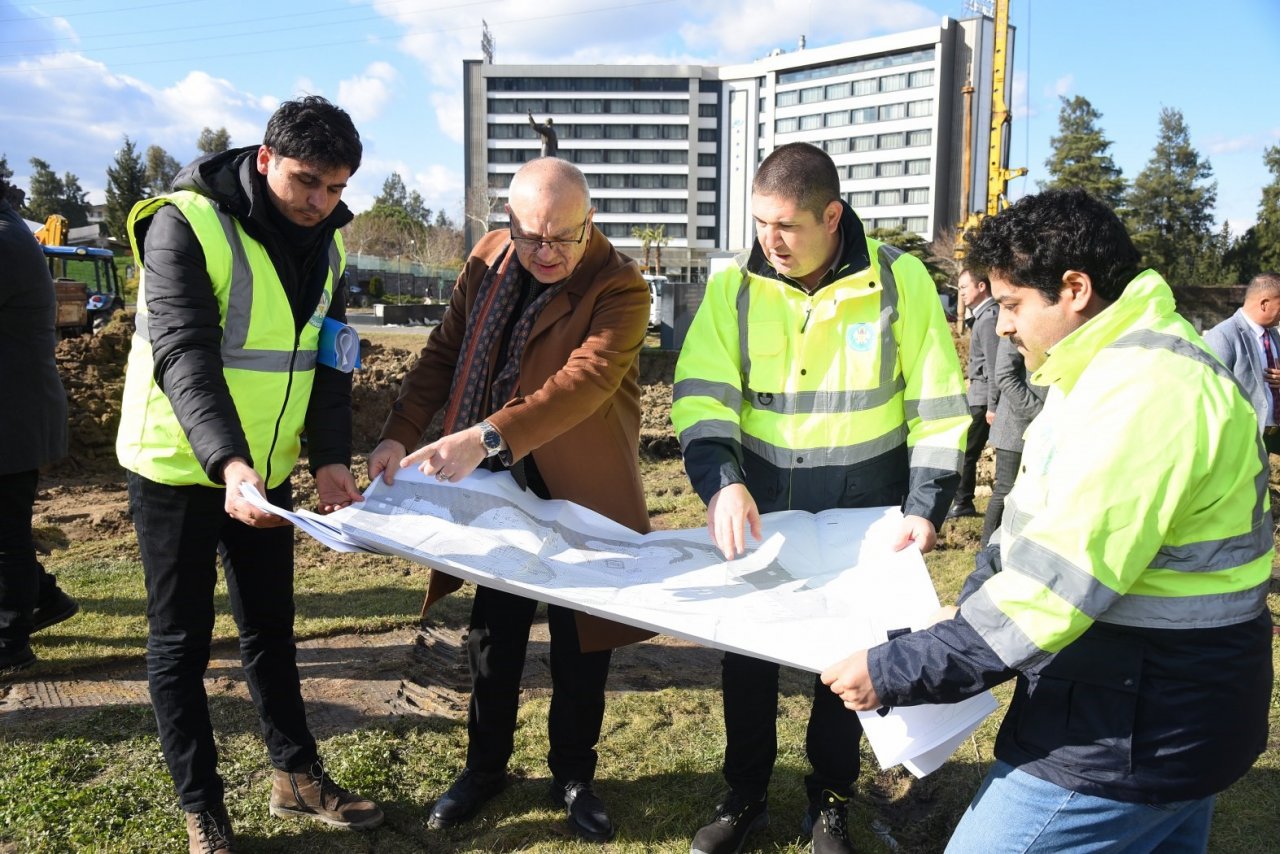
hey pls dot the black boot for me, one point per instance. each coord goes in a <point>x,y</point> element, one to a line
<point>587,815</point>
<point>736,819</point>
<point>827,824</point>
<point>467,794</point>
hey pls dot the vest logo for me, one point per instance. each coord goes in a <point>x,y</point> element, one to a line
<point>317,317</point>
<point>860,337</point>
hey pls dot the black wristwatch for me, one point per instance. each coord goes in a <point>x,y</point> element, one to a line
<point>490,438</point>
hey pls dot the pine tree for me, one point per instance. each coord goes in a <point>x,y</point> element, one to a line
<point>74,204</point>
<point>161,170</point>
<point>1265,236</point>
<point>45,192</point>
<point>1080,156</point>
<point>126,186</point>
<point>213,141</point>
<point>1170,206</point>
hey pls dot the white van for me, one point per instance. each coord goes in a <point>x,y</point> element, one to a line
<point>657,285</point>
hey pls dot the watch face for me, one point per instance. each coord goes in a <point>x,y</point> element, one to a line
<point>491,439</point>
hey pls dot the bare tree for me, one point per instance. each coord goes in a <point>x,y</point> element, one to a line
<point>478,209</point>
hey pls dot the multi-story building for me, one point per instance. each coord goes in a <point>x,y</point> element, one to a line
<point>676,146</point>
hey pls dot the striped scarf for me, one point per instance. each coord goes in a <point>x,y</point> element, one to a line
<point>497,300</point>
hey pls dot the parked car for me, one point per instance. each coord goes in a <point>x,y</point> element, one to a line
<point>657,286</point>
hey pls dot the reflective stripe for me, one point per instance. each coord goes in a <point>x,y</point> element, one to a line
<point>1001,633</point>
<point>1074,585</point>
<point>235,328</point>
<point>722,393</point>
<point>140,325</point>
<point>886,255</point>
<point>937,408</point>
<point>945,460</point>
<point>1013,520</point>
<point>269,361</point>
<point>1189,612</point>
<point>710,429</point>
<point>844,455</point>
<point>1213,555</point>
<point>743,304</point>
<point>824,402</point>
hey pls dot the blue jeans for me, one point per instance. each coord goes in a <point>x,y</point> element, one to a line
<point>1016,812</point>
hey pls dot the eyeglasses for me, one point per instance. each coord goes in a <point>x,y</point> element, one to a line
<point>558,244</point>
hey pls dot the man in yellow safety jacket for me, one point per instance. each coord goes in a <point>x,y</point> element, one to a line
<point>1126,588</point>
<point>241,267</point>
<point>820,374</point>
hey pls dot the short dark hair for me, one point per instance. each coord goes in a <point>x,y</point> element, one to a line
<point>1038,238</point>
<point>1263,283</point>
<point>313,130</point>
<point>801,173</point>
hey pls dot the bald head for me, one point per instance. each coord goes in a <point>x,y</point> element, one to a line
<point>549,206</point>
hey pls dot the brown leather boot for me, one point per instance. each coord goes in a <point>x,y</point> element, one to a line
<point>209,832</point>
<point>312,794</point>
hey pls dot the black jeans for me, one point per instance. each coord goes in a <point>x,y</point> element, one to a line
<point>1007,463</point>
<point>181,530</point>
<point>496,643</point>
<point>979,430</point>
<point>24,583</point>
<point>750,722</point>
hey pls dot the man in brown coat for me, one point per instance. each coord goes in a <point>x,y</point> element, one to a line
<point>535,366</point>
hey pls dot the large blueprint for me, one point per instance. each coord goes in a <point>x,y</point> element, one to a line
<point>815,589</point>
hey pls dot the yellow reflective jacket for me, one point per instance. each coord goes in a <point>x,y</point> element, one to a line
<point>268,370</point>
<point>848,396</point>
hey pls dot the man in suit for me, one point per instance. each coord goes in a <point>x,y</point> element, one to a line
<point>535,367</point>
<point>1247,343</point>
<point>975,295</point>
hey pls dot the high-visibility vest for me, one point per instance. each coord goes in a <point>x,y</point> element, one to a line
<point>1142,496</point>
<point>267,364</point>
<point>836,378</point>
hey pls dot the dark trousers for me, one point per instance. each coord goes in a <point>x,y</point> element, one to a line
<point>181,530</point>
<point>1007,463</point>
<point>979,430</point>
<point>750,722</point>
<point>496,643</point>
<point>24,583</point>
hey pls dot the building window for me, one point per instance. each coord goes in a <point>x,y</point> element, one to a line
<point>838,69</point>
<point>511,155</point>
<point>706,232</point>
<point>889,112</point>
<point>613,182</point>
<point>920,137</point>
<point>591,84</point>
<point>617,156</point>
<point>706,208</point>
<point>589,105</point>
<point>646,182</point>
<point>836,146</point>
<point>500,180</point>
<point>864,115</point>
<point>613,205</point>
<point>918,167</point>
<point>707,184</point>
<point>648,132</point>
<point>790,125</point>
<point>675,108</point>
<point>860,200</point>
<point>864,87</point>
<point>618,131</point>
<point>890,140</point>
<point>588,131</point>
<point>812,122</point>
<point>706,160</point>
<point>889,222</point>
<point>919,224</point>
<point>706,134</point>
<point>918,196</point>
<point>708,111</point>
<point>889,169</point>
<point>864,143</point>
<point>839,118</point>
<point>919,109</point>
<point>893,82</point>
<point>889,197</point>
<point>811,96</point>
<point>675,182</point>
<point>916,79</point>
<point>862,171</point>
<point>789,98</point>
<point>838,90</point>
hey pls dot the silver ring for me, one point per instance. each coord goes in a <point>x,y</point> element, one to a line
<point>442,476</point>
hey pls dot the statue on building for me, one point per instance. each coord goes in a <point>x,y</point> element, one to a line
<point>550,145</point>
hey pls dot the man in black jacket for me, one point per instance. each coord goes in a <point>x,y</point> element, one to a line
<point>33,423</point>
<point>241,267</point>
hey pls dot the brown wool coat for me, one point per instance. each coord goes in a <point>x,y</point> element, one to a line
<point>576,408</point>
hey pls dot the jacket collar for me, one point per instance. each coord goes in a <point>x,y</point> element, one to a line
<point>1145,299</point>
<point>854,257</point>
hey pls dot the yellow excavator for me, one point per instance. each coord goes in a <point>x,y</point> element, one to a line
<point>998,172</point>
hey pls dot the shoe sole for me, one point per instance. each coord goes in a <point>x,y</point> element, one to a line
<point>364,824</point>
<point>56,618</point>
<point>761,823</point>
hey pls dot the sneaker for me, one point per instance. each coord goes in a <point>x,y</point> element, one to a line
<point>209,832</point>
<point>60,607</point>
<point>468,793</point>
<point>827,824</point>
<point>587,815</point>
<point>15,659</point>
<point>312,794</point>
<point>736,819</point>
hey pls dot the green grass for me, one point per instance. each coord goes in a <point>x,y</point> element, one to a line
<point>95,781</point>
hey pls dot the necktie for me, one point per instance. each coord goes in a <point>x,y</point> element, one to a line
<point>1269,351</point>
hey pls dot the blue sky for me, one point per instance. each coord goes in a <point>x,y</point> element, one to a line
<point>77,75</point>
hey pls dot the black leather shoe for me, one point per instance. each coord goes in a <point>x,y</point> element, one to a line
<point>959,510</point>
<point>467,794</point>
<point>587,815</point>
<point>13,660</point>
<point>60,607</point>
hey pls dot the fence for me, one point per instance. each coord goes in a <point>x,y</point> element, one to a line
<point>402,277</point>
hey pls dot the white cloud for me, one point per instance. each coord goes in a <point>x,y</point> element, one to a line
<point>1234,145</point>
<point>1063,85</point>
<point>364,95</point>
